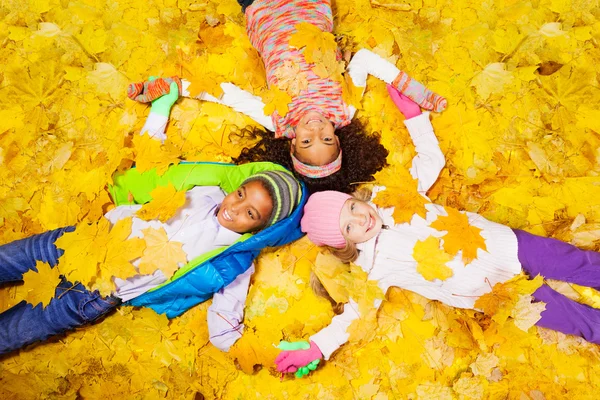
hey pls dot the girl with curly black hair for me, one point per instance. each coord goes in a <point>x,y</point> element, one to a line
<point>317,112</point>
<point>363,156</point>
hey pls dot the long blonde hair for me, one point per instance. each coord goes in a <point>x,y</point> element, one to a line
<point>319,290</point>
<point>347,254</point>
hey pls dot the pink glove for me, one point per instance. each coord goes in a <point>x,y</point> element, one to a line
<point>406,106</point>
<point>290,361</point>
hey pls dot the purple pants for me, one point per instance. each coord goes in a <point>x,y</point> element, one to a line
<point>554,259</point>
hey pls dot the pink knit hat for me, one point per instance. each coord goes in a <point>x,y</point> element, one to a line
<point>321,220</point>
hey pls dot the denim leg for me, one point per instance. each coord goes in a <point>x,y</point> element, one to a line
<point>71,307</point>
<point>568,316</point>
<point>20,256</point>
<point>555,259</point>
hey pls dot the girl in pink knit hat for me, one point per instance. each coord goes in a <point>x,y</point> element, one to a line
<point>355,229</point>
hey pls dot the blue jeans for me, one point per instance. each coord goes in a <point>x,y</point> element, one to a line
<point>71,307</point>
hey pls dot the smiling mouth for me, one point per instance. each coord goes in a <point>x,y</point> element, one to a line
<point>310,121</point>
<point>371,223</point>
<point>226,216</point>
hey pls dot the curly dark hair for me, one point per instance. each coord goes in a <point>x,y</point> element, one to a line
<point>363,155</point>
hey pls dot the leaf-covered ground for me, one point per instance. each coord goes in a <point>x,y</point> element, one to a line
<point>520,135</point>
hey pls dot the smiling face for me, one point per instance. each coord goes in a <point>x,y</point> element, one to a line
<point>246,209</point>
<point>359,221</point>
<point>315,142</point>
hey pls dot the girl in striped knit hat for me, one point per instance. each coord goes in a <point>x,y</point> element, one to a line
<point>358,230</point>
<point>318,122</point>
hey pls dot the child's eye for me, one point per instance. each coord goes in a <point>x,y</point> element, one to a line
<point>250,214</point>
<point>239,193</point>
<point>306,141</point>
<point>327,139</point>
<point>352,207</point>
<point>348,228</point>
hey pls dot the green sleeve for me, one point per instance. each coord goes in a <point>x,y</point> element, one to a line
<point>134,187</point>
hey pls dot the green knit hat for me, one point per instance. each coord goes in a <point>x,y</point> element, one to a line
<point>285,192</point>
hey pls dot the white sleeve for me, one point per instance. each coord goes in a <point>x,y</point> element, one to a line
<point>226,313</point>
<point>430,160</point>
<point>155,126</point>
<point>330,339</point>
<point>241,101</point>
<point>365,63</point>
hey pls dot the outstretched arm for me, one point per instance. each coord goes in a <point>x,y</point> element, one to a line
<point>226,313</point>
<point>365,63</point>
<point>241,101</point>
<point>430,160</point>
<point>156,123</point>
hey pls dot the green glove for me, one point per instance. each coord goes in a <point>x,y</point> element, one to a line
<point>303,371</point>
<point>290,346</point>
<point>162,105</point>
<point>301,345</point>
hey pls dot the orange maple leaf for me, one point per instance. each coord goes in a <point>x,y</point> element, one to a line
<point>461,235</point>
<point>165,202</point>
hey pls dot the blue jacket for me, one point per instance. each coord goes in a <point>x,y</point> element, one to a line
<point>200,278</point>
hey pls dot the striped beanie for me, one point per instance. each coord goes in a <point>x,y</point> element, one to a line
<point>284,189</point>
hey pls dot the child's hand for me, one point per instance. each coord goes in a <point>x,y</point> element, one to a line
<point>298,357</point>
<point>406,106</point>
<point>163,104</point>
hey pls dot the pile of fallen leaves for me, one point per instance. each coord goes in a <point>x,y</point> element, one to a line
<point>520,137</point>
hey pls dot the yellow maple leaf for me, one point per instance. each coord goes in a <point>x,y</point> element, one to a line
<point>400,193</point>
<point>251,350</point>
<point>150,153</point>
<point>334,275</point>
<point>484,364</point>
<point>351,94</point>
<point>165,202</point>
<point>431,259</point>
<point>438,354</point>
<point>500,301</point>
<point>120,251</point>
<point>160,253</point>
<point>40,285</point>
<point>461,235</point>
<point>202,77</point>
<point>327,66</point>
<point>290,78</point>
<point>276,99</point>
<point>84,248</point>
<point>492,79</point>
<point>214,38</point>
<point>526,313</point>
<point>314,41</point>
